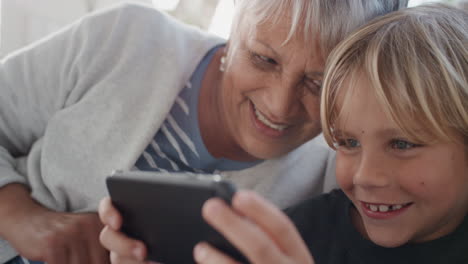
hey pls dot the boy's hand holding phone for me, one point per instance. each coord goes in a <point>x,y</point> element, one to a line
<point>163,210</point>
<point>262,232</point>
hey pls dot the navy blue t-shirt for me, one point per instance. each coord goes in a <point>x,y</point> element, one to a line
<point>324,223</point>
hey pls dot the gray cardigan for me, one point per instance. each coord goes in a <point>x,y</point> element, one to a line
<point>88,100</point>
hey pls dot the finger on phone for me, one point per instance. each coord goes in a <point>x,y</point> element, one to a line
<point>203,253</point>
<point>117,259</point>
<point>121,244</point>
<point>109,215</point>
<point>272,220</point>
<point>244,234</point>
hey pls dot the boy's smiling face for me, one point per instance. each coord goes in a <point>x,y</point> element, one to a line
<point>403,191</point>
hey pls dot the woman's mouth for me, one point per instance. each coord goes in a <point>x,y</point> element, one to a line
<point>265,125</point>
<point>384,211</point>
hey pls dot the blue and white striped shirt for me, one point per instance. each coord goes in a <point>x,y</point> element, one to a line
<point>178,145</point>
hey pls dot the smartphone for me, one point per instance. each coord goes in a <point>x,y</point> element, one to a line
<point>163,209</point>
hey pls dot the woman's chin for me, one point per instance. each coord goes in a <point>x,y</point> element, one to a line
<point>266,151</point>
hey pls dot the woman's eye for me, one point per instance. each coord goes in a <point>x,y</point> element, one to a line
<point>401,144</point>
<point>267,59</point>
<point>263,61</point>
<point>314,86</point>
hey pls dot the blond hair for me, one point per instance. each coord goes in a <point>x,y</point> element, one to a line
<point>328,21</point>
<point>416,61</point>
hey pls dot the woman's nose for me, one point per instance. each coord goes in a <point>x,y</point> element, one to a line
<point>372,172</point>
<point>285,99</point>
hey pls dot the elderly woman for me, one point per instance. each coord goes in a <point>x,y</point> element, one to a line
<point>131,88</point>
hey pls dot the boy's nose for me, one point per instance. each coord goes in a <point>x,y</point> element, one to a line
<point>371,172</point>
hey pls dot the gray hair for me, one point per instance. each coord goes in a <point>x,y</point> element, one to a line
<point>328,21</point>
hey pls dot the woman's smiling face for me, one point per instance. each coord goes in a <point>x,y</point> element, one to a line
<point>403,191</point>
<point>270,93</point>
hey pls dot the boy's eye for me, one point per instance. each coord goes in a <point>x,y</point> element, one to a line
<point>352,143</point>
<point>348,143</point>
<point>401,144</point>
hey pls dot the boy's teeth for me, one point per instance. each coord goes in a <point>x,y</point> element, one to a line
<point>267,122</point>
<point>384,208</point>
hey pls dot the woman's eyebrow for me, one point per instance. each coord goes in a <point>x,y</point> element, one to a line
<point>310,74</point>
<point>314,74</point>
<point>267,46</point>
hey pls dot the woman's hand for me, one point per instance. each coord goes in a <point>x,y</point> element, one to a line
<point>57,238</point>
<point>40,234</point>
<point>257,228</point>
<point>123,250</point>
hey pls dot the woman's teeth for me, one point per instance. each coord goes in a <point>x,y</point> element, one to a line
<point>384,208</point>
<point>267,122</point>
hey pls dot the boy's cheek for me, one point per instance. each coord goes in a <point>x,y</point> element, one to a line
<point>344,172</point>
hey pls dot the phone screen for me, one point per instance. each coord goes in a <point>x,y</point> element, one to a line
<point>164,211</point>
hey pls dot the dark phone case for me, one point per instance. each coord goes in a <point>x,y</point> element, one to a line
<point>164,211</point>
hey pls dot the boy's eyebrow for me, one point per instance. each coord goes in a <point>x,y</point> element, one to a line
<point>340,133</point>
<point>390,132</point>
<point>387,132</point>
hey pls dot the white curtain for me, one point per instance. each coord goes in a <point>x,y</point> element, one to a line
<point>24,21</point>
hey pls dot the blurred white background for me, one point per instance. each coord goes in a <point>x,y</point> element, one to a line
<point>24,21</point>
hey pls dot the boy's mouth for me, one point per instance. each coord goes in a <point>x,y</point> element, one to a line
<point>383,211</point>
<point>383,208</point>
